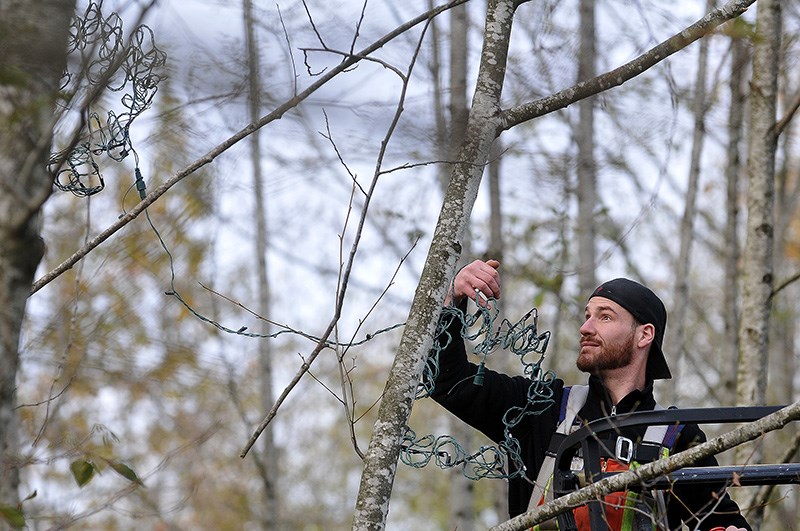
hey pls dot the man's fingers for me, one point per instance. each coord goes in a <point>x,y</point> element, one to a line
<point>477,276</point>
<point>487,280</point>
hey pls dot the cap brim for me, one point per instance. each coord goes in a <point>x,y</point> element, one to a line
<point>657,368</point>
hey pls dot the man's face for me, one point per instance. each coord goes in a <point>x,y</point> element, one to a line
<point>607,336</point>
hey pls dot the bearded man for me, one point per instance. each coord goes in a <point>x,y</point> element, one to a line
<point>620,349</point>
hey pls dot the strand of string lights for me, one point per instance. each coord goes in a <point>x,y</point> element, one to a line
<point>242,331</point>
<point>104,61</point>
<point>522,339</point>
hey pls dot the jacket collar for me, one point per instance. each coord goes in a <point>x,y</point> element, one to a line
<point>633,401</point>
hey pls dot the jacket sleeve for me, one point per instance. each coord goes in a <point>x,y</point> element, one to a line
<point>701,506</point>
<point>486,406</point>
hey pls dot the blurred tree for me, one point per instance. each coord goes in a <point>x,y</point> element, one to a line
<point>731,247</point>
<point>680,296</point>
<point>267,457</point>
<point>586,166</point>
<point>758,266</point>
<point>33,37</point>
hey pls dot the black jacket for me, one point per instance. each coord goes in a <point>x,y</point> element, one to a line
<point>483,407</point>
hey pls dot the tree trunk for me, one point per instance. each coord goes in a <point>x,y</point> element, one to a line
<point>682,268</point>
<point>758,261</point>
<point>757,276</point>
<point>459,107</point>
<point>440,116</point>
<point>496,247</point>
<point>783,328</point>
<point>739,61</point>
<point>372,504</point>
<point>33,37</point>
<point>587,172</point>
<point>267,458</point>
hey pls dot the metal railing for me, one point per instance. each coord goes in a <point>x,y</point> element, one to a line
<point>592,440</point>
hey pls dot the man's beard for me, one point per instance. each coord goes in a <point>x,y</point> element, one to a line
<point>610,356</point>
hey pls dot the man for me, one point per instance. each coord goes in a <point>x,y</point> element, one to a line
<point>620,348</point>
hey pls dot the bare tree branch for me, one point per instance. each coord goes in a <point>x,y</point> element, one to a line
<point>787,118</point>
<point>626,72</point>
<point>742,434</point>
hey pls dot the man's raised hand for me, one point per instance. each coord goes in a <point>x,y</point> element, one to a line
<point>478,276</point>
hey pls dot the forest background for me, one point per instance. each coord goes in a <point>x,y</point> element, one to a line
<point>144,369</point>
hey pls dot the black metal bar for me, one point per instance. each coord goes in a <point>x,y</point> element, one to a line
<point>594,429</point>
<point>747,475</point>
<point>587,439</point>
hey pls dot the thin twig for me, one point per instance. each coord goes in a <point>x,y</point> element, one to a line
<point>345,276</point>
<point>288,50</point>
<point>786,283</point>
<point>762,495</point>
<point>787,118</point>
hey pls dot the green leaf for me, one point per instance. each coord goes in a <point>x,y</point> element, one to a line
<point>126,472</point>
<point>539,299</point>
<point>13,516</point>
<point>82,471</point>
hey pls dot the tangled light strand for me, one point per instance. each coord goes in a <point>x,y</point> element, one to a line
<point>523,340</point>
<point>97,44</point>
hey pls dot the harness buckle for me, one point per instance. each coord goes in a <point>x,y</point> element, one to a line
<point>624,449</point>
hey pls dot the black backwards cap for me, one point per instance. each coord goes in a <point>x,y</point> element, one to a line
<point>646,307</point>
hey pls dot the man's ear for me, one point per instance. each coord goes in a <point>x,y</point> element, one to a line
<point>647,333</point>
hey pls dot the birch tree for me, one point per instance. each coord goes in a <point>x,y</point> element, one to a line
<point>738,98</point>
<point>682,268</point>
<point>759,261</point>
<point>33,37</point>
<point>266,458</point>
<point>586,167</point>
<point>757,274</point>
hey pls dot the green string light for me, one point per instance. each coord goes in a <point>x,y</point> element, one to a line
<point>106,62</point>
<point>521,339</point>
